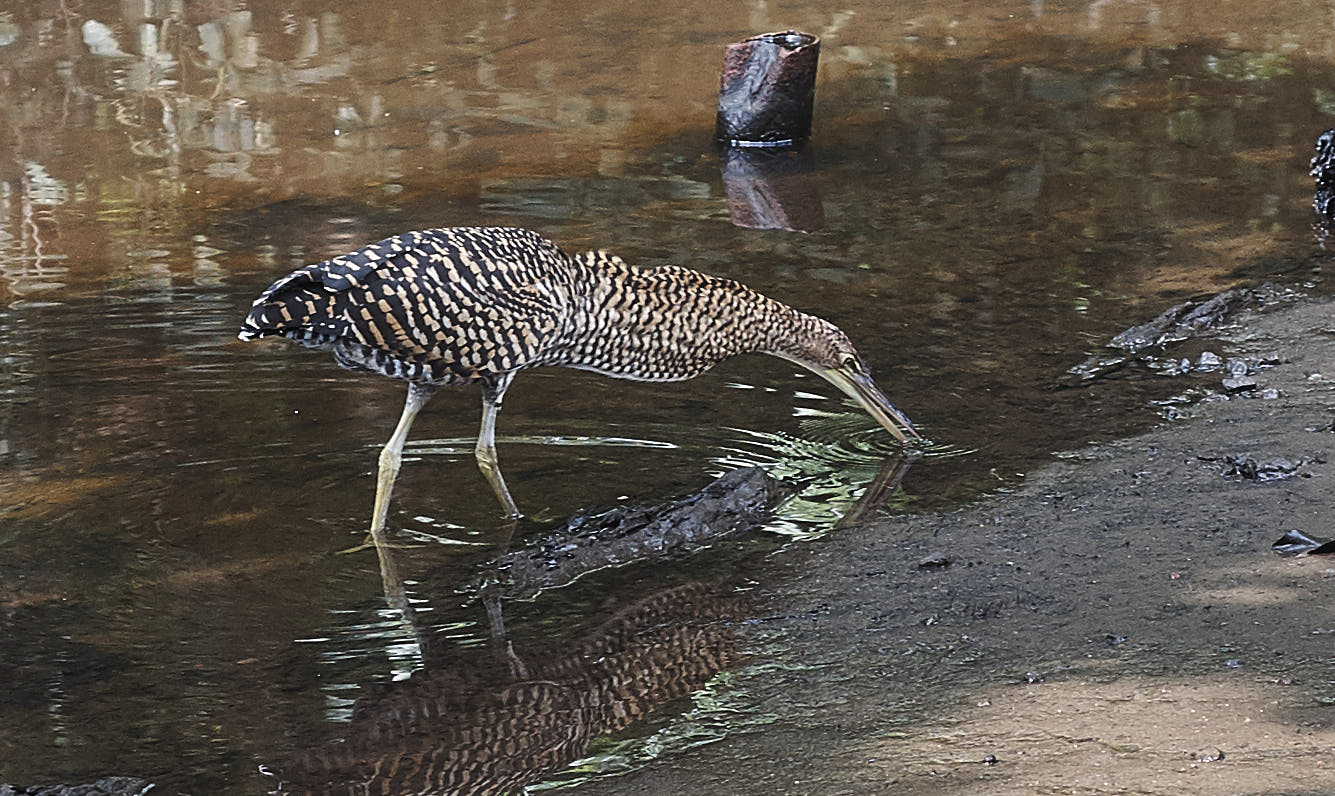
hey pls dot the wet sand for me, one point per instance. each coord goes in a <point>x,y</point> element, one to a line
<point>1117,624</point>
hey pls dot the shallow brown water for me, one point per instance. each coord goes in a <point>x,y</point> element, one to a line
<point>1001,191</point>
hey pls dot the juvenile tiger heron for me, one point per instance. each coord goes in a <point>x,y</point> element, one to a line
<point>480,304</point>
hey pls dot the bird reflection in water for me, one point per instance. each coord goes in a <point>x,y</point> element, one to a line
<point>492,720</point>
<point>877,493</point>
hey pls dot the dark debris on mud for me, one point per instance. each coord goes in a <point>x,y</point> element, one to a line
<point>1249,468</point>
<point>1295,542</point>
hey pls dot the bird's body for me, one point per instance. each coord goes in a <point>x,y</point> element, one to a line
<point>452,306</point>
<point>478,304</point>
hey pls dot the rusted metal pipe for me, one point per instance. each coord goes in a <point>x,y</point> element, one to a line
<point>767,89</point>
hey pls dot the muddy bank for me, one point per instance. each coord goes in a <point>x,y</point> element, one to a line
<point>1119,624</point>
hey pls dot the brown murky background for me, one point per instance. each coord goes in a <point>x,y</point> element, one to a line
<point>1003,187</point>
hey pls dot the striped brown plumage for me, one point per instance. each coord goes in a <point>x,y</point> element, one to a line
<point>478,304</point>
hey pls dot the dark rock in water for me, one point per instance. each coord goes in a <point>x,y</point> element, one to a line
<point>1197,317</point>
<point>107,786</point>
<point>1323,169</point>
<point>738,500</point>
<point>767,89</point>
<point>1191,318</point>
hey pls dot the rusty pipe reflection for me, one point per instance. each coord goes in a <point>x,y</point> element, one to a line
<point>772,189</point>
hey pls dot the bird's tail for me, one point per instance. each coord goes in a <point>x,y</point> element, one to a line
<point>300,307</point>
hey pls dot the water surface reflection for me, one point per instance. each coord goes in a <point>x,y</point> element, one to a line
<point>493,718</point>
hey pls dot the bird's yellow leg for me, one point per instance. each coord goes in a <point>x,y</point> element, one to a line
<point>493,391</point>
<point>391,457</point>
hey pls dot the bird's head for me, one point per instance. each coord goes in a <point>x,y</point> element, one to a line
<point>824,349</point>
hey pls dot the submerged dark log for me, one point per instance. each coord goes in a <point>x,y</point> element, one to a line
<point>767,89</point>
<point>736,501</point>
<point>772,189</point>
<point>1195,317</point>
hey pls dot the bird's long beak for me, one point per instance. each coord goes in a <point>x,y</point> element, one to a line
<point>862,389</point>
<point>859,386</point>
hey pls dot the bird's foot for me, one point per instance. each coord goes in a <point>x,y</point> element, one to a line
<point>371,542</point>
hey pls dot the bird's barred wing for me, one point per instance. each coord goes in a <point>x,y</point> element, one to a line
<point>438,305</point>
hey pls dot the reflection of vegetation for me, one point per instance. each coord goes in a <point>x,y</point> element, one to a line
<point>835,460</point>
<point>1249,66</point>
<point>1324,100</point>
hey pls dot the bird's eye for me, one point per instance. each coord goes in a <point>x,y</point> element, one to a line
<point>850,363</point>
